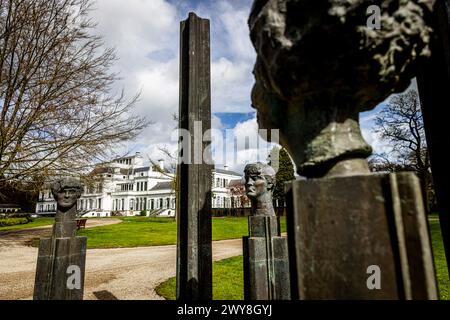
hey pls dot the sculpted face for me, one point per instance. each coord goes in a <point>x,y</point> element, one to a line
<point>255,185</point>
<point>67,197</point>
<point>256,181</point>
<point>66,192</point>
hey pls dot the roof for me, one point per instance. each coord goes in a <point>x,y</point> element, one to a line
<point>228,172</point>
<point>165,185</point>
<point>142,169</point>
<point>236,182</point>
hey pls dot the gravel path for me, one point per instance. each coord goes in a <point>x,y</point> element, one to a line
<point>122,273</point>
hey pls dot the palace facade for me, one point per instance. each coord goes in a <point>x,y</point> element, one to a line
<point>128,187</point>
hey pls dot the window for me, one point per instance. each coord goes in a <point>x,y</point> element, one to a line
<point>145,186</point>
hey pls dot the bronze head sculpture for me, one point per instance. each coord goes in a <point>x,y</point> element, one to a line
<point>66,193</point>
<point>259,185</point>
<point>319,63</point>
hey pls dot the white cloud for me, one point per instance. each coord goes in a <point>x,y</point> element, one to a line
<point>145,34</point>
<point>231,84</point>
<point>237,153</point>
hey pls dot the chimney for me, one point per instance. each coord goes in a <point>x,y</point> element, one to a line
<point>225,167</point>
<point>161,163</point>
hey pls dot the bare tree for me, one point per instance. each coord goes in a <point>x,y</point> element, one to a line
<point>400,123</point>
<point>58,115</point>
<point>172,172</point>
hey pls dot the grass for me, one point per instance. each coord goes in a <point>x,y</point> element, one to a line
<point>439,259</point>
<point>37,222</point>
<point>228,277</point>
<point>144,231</point>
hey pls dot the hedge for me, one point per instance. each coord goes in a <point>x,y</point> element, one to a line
<point>12,221</point>
<point>17,215</point>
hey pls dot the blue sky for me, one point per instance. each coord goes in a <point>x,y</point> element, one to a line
<point>145,34</point>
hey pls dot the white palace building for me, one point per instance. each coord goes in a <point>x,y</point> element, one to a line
<point>128,187</point>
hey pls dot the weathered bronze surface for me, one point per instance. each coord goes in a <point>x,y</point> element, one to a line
<point>194,251</point>
<point>266,266</point>
<point>339,227</point>
<point>259,184</point>
<point>319,64</point>
<point>63,255</point>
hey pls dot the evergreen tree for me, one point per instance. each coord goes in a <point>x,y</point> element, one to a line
<point>284,174</point>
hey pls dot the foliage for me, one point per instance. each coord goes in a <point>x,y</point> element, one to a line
<point>18,215</point>
<point>5,222</point>
<point>143,213</point>
<point>237,190</point>
<point>228,278</point>
<point>37,222</point>
<point>439,258</point>
<point>58,114</point>
<point>284,174</point>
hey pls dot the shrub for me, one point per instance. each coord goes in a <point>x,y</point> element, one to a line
<point>17,215</point>
<point>143,213</point>
<point>12,221</point>
<point>21,215</point>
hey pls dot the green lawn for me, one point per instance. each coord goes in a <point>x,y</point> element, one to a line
<point>228,277</point>
<point>37,222</point>
<point>439,259</point>
<point>144,231</point>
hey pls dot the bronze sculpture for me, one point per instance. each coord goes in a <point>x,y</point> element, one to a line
<point>66,193</point>
<point>259,184</point>
<point>319,64</point>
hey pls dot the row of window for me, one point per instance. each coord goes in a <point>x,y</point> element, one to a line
<point>126,187</point>
<point>140,186</point>
<point>124,161</point>
<point>144,204</point>
<point>87,204</point>
<point>51,207</point>
<point>221,183</point>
